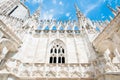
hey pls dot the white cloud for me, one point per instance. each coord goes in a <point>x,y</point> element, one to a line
<point>61,3</point>
<point>54,1</point>
<point>92,6</point>
<point>47,16</point>
<point>70,17</point>
<point>67,14</point>
<point>34,1</point>
<point>51,10</point>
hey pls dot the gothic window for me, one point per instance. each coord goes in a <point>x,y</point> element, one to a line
<point>55,50</point>
<point>63,59</point>
<point>61,29</point>
<point>39,28</point>
<point>55,59</point>
<point>51,50</point>
<point>58,52</point>
<point>46,29</point>
<point>63,50</point>
<point>98,29</point>
<point>69,29</point>
<point>51,60</point>
<point>76,29</point>
<point>54,29</point>
<point>59,60</point>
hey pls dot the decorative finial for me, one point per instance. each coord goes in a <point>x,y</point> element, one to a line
<point>118,8</point>
<point>110,18</point>
<point>36,15</point>
<point>79,14</point>
<point>76,7</point>
<point>113,11</point>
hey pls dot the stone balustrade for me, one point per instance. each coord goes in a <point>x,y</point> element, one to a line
<point>107,68</point>
<point>42,70</point>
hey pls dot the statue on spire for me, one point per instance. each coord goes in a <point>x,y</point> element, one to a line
<point>79,14</point>
<point>113,11</point>
<point>76,7</point>
<point>36,15</point>
<point>118,8</point>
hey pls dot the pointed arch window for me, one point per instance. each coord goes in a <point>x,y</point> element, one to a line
<point>51,51</point>
<point>51,60</point>
<point>63,59</point>
<point>55,50</point>
<point>58,52</point>
<point>39,28</point>
<point>69,29</point>
<point>59,59</point>
<point>55,59</point>
<point>46,29</point>
<point>62,50</point>
<point>76,29</point>
<point>54,28</point>
<point>61,29</point>
<point>98,29</point>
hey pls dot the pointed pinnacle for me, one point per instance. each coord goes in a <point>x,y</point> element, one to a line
<point>113,11</point>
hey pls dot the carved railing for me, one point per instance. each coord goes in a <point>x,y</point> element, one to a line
<point>42,70</point>
<point>103,67</point>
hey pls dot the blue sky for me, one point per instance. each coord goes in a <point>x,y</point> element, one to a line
<point>64,9</point>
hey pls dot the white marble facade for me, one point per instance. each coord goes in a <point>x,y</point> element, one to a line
<point>32,49</point>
